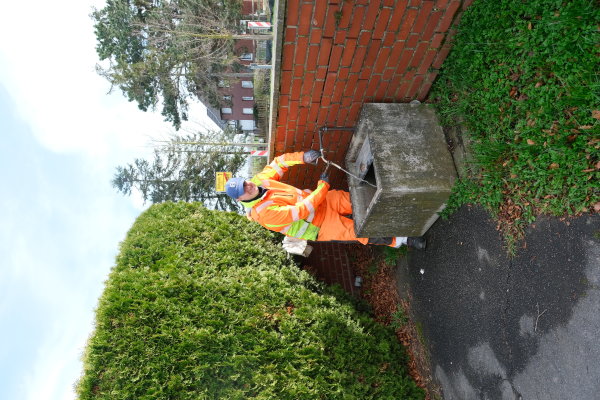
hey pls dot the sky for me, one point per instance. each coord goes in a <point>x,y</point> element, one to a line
<point>62,136</point>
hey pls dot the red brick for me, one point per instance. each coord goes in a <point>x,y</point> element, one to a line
<point>307,85</point>
<point>301,50</point>
<point>372,52</point>
<point>316,34</point>
<point>388,74</point>
<point>306,99</point>
<point>357,20</point>
<point>343,114</point>
<point>365,73</point>
<point>340,37</point>
<point>415,3</point>
<point>359,56</point>
<point>382,22</point>
<point>393,87</point>
<point>296,87</point>
<point>305,19</point>
<point>389,3</point>
<point>437,40</point>
<point>419,54</point>
<point>322,115</point>
<point>347,101</point>
<point>313,113</point>
<point>397,15</point>
<point>325,101</point>
<point>317,91</point>
<point>348,52</point>
<point>346,14</point>
<point>448,16</point>
<point>439,59</point>
<point>467,3</point>
<point>373,86</point>
<point>389,39</point>
<point>361,87</point>
<point>351,84</point>
<point>320,12</point>
<point>336,57</point>
<point>293,12</point>
<point>404,61</point>
<point>353,113</point>
<point>380,93</point>
<point>395,54</point>
<point>329,84</point>
<point>322,72</point>
<point>338,92</point>
<point>313,57</point>
<point>280,134</point>
<point>325,51</point>
<point>431,76</point>
<point>431,25</point>
<point>287,57</point>
<point>299,70</point>
<point>406,25</point>
<point>302,117</point>
<point>293,110</point>
<point>286,82</point>
<point>280,147</point>
<point>424,91</point>
<point>401,94</point>
<point>416,84</point>
<point>424,14</point>
<point>282,115</point>
<point>332,114</point>
<point>412,41</point>
<point>343,73</point>
<point>426,63</point>
<point>382,60</point>
<point>284,100</point>
<point>364,38</point>
<point>290,34</point>
<point>440,4</point>
<point>371,17</point>
<point>330,23</point>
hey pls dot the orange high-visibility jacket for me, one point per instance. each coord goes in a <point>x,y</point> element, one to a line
<point>285,208</point>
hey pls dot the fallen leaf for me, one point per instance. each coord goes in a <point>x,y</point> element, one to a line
<point>513,176</point>
<point>596,114</point>
<point>584,127</point>
<point>598,165</point>
<point>571,138</point>
<point>588,170</point>
<point>597,207</point>
<point>529,26</point>
<point>539,84</point>
<point>530,142</point>
<point>554,166</point>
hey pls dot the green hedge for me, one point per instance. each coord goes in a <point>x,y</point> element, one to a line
<point>204,304</point>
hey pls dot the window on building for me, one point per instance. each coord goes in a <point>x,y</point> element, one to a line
<point>247,84</point>
<point>247,98</point>
<point>246,57</point>
<point>226,110</point>
<point>248,110</point>
<point>227,98</point>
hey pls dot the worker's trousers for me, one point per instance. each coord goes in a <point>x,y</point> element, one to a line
<point>336,226</point>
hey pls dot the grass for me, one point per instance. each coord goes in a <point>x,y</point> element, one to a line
<point>522,80</point>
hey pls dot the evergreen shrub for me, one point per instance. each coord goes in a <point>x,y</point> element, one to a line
<point>204,304</point>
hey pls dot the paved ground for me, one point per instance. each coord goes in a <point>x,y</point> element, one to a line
<point>502,328</point>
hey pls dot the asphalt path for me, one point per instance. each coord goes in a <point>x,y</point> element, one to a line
<point>526,327</point>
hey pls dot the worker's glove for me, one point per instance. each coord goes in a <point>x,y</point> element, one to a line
<point>324,177</point>
<point>311,156</point>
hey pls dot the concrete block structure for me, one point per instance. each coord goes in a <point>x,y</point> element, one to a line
<point>407,171</point>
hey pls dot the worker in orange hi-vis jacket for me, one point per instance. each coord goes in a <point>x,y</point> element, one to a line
<point>311,215</point>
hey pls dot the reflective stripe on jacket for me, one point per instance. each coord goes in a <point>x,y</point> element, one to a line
<point>285,208</point>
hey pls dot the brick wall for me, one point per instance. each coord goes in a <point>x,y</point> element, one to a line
<point>337,55</point>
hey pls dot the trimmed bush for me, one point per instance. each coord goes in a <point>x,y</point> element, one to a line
<point>205,305</point>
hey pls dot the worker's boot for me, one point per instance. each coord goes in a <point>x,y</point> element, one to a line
<point>418,243</point>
